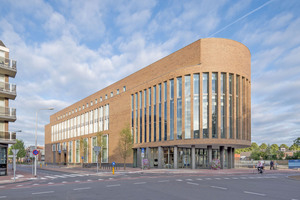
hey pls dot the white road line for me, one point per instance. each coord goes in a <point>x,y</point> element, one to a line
<point>2,197</point>
<point>77,181</point>
<point>208,178</point>
<point>294,199</point>
<point>50,183</point>
<point>50,177</point>
<point>199,179</point>
<point>259,194</point>
<point>19,185</point>
<point>100,179</point>
<point>189,179</point>
<point>222,188</point>
<point>234,178</point>
<point>139,183</point>
<point>226,178</point>
<point>86,188</point>
<point>64,182</point>
<point>43,178</point>
<point>46,192</point>
<point>163,181</point>
<point>243,177</point>
<point>192,183</point>
<point>36,184</point>
<point>218,178</point>
<point>113,185</point>
<point>89,180</point>
<point>111,178</point>
<point>178,180</point>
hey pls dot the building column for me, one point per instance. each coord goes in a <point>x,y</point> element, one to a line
<point>138,157</point>
<point>209,154</point>
<point>193,157</point>
<point>148,152</point>
<point>175,157</point>
<point>229,156</point>
<point>222,156</point>
<point>233,158</point>
<point>160,157</point>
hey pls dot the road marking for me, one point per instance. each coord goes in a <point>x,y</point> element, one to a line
<point>199,179</point>
<point>192,183</point>
<point>86,188</point>
<point>139,183</point>
<point>46,192</point>
<point>222,188</point>
<point>243,177</point>
<point>43,178</point>
<point>218,178</point>
<point>111,178</point>
<point>89,180</point>
<point>254,193</point>
<point>178,180</point>
<point>226,178</point>
<point>100,179</point>
<point>36,184</point>
<point>50,183</point>
<point>64,182</point>
<point>77,181</point>
<point>113,185</point>
<point>208,178</point>
<point>163,181</point>
<point>2,197</point>
<point>20,188</point>
<point>55,185</point>
<point>234,178</point>
<point>19,185</point>
<point>50,177</point>
<point>189,179</point>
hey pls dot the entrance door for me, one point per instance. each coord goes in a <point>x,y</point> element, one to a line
<point>3,160</point>
<point>134,157</point>
<point>65,158</point>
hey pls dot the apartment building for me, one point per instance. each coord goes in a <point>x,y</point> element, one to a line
<point>185,111</point>
<point>7,92</point>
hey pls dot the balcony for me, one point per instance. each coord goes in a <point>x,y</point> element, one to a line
<point>8,114</point>
<point>8,90</point>
<point>8,67</point>
<point>7,137</point>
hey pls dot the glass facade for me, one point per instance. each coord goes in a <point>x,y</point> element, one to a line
<point>196,106</point>
<point>141,118</point>
<point>145,115</point>
<point>165,111</point>
<point>149,96</point>
<point>205,105</point>
<point>136,118</point>
<point>94,155</point>
<point>179,108</point>
<point>214,108</point>
<point>230,106</point>
<point>77,151</point>
<point>154,113</point>
<point>172,109</point>
<point>187,107</point>
<point>223,93</point>
<point>70,152</point>
<point>159,112</point>
<point>132,115</point>
<point>237,107</point>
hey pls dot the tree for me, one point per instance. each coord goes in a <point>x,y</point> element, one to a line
<point>297,141</point>
<point>274,147</point>
<point>254,146</point>
<point>125,144</point>
<point>263,146</point>
<point>19,145</point>
<point>101,143</point>
<point>83,148</point>
<point>284,146</point>
<point>294,147</point>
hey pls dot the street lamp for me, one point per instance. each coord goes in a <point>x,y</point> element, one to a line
<point>36,123</point>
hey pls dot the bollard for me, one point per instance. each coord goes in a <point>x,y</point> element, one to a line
<point>40,165</point>
<point>113,170</point>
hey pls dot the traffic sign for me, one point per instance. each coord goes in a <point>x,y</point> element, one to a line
<point>15,151</point>
<point>113,163</point>
<point>35,152</point>
<point>142,154</point>
<point>59,151</point>
<point>143,150</point>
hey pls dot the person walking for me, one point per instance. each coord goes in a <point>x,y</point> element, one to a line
<point>271,165</point>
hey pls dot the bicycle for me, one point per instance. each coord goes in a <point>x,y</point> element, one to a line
<point>260,170</point>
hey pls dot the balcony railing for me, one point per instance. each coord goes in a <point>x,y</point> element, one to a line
<point>8,66</point>
<point>7,114</point>
<point>7,136</point>
<point>8,90</point>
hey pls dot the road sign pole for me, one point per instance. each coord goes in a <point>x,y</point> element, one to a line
<point>14,164</point>
<point>97,163</point>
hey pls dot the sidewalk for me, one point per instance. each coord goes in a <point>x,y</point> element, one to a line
<point>21,176</point>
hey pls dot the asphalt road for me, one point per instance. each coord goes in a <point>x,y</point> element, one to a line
<point>154,186</point>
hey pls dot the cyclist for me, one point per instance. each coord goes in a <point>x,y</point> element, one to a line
<point>260,167</point>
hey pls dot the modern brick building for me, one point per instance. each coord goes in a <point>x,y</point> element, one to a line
<point>8,70</point>
<point>184,110</point>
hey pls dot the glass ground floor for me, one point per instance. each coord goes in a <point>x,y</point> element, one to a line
<point>3,160</point>
<point>184,157</point>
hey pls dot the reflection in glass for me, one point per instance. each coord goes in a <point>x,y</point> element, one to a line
<point>179,108</point>
<point>214,105</point>
<point>230,106</point>
<point>159,112</point>
<point>205,105</point>
<point>145,115</point>
<point>136,118</point>
<point>196,109</point>
<point>154,113</point>
<point>223,92</point>
<point>172,109</point>
<point>149,100</point>
<point>165,111</point>
<point>187,92</point>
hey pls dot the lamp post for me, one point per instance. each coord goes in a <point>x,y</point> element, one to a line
<point>36,123</point>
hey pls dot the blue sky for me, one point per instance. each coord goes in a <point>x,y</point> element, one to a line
<point>67,50</point>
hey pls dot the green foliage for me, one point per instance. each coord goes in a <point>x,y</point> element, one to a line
<point>294,147</point>
<point>254,146</point>
<point>83,147</point>
<point>274,147</point>
<point>297,141</point>
<point>263,146</point>
<point>294,157</point>
<point>284,146</point>
<point>19,145</point>
<point>125,144</point>
<point>101,143</point>
<point>255,155</point>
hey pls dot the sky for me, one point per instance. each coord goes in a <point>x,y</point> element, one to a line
<point>67,50</point>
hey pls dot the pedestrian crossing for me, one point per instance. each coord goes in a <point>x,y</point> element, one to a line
<point>62,176</point>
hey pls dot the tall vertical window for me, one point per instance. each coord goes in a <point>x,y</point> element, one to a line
<point>179,108</point>
<point>214,91</point>
<point>94,155</point>
<point>96,120</point>
<point>85,150</point>
<point>223,92</point>
<point>187,106</point>
<point>136,118</point>
<point>154,113</point>
<point>104,156</point>
<point>159,112</point>
<point>243,108</point>
<point>101,118</point>
<point>141,117</point>
<point>149,100</point>
<point>77,151</point>
<point>132,115</point>
<point>230,106</point>
<point>86,128</point>
<point>70,152</point>
<point>237,106</point>
<point>91,119</point>
<point>196,109</point>
<point>172,109</point>
<point>145,115</point>
<point>165,111</point>
<point>205,105</point>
